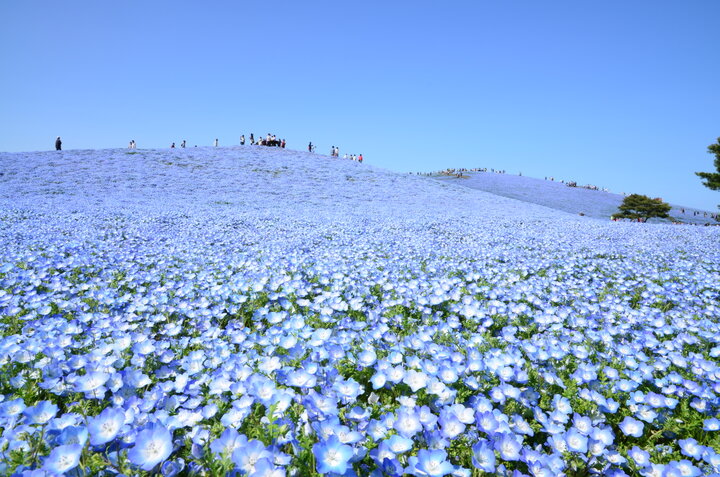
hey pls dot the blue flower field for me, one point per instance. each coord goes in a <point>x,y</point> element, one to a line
<point>255,312</point>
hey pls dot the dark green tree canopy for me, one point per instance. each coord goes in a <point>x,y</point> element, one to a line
<point>712,179</point>
<point>642,207</point>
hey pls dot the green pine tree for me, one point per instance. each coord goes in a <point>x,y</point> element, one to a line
<point>712,179</point>
<point>642,207</point>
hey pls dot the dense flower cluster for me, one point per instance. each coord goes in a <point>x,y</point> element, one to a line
<point>410,338</point>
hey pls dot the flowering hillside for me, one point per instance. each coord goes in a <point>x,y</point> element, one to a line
<point>263,312</point>
<point>557,195</point>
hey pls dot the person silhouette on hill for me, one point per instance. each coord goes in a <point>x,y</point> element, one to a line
<point>58,144</point>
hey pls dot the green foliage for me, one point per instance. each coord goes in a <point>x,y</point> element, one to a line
<point>642,207</point>
<point>712,179</point>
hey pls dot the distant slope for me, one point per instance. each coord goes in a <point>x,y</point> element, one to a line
<point>558,196</point>
<point>239,179</point>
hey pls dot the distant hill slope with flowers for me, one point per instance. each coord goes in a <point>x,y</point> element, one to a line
<point>264,312</point>
<point>557,195</point>
<point>240,178</point>
<point>262,178</point>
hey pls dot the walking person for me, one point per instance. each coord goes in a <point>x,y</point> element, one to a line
<point>252,139</point>
<point>242,140</point>
<point>216,142</point>
<point>310,147</point>
<point>360,158</point>
<point>182,144</point>
<point>58,144</point>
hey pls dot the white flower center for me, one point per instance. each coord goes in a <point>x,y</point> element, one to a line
<point>108,427</point>
<point>152,449</point>
<point>333,457</point>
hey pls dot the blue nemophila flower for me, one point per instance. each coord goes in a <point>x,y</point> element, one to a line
<point>712,424</point>
<point>228,441</point>
<point>378,380</point>
<point>691,448</point>
<point>604,435</point>
<point>395,374</point>
<point>583,424</point>
<point>73,435</point>
<point>631,427</point>
<point>407,422</point>
<point>561,404</point>
<point>430,463</point>
<point>487,422</point>
<point>427,417</point>
<point>382,452</point>
<point>267,468</point>
<point>347,389</point>
<point>483,457</point>
<point>301,378</point>
<point>389,467</point>
<point>450,425</point>
<point>367,358</point>
<point>683,468</point>
<point>246,456</point>
<point>576,441</point>
<point>105,426</point>
<point>639,456</point>
<point>415,379</point>
<point>63,458</point>
<point>357,413</point>
<point>466,415</point>
<point>655,400</point>
<point>11,408</point>
<point>41,412</point>
<point>171,468</point>
<point>646,414</point>
<point>398,444</point>
<point>508,447</point>
<point>92,383</point>
<point>332,456</point>
<point>136,378</point>
<point>152,446</point>
<point>347,436</point>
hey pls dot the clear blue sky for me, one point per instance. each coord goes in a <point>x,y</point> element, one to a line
<point>621,94</point>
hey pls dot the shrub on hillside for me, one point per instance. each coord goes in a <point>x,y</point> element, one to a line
<point>641,208</point>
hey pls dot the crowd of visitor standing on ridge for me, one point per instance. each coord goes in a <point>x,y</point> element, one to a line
<point>335,152</point>
<point>270,140</point>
